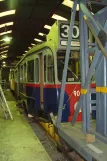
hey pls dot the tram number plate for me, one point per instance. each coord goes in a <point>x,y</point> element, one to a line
<point>64,30</point>
<point>73,43</point>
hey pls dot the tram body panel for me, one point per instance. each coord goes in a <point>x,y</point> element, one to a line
<point>42,83</point>
<point>51,100</point>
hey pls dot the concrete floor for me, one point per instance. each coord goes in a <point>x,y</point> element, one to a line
<point>17,140</point>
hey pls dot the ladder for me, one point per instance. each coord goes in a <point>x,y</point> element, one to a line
<point>3,84</point>
<point>4,106</point>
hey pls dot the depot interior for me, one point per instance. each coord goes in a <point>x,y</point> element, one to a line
<point>25,24</point>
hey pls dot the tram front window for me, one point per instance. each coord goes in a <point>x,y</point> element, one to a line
<point>72,70</point>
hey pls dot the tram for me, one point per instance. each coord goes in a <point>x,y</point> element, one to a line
<point>38,74</point>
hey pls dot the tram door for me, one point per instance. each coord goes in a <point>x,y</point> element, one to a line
<point>47,91</point>
<point>17,82</point>
<point>41,82</point>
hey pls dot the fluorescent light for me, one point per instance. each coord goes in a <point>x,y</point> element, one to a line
<point>4,65</point>
<point>41,34</point>
<point>4,47</point>
<point>4,52</point>
<point>38,40</point>
<point>7,32</point>
<point>33,44</point>
<point>19,57</point>
<point>4,56</point>
<point>6,13</point>
<point>58,17</point>
<point>47,27</point>
<point>6,24</point>
<point>5,43</point>
<point>69,3</point>
<point>92,13</point>
<point>7,39</point>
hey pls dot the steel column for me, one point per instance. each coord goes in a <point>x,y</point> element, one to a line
<point>82,61</point>
<point>73,12</point>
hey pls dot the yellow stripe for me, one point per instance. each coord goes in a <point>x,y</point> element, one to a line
<point>83,91</point>
<point>85,17</point>
<point>101,89</point>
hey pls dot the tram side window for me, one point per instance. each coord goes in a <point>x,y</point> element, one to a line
<point>37,70</point>
<point>21,73</point>
<point>45,68</point>
<point>12,75</point>
<point>72,70</point>
<point>24,72</point>
<point>50,69</point>
<point>30,71</point>
<point>16,76</point>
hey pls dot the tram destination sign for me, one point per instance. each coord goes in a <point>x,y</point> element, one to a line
<point>64,31</point>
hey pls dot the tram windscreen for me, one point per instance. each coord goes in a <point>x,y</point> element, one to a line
<point>73,73</point>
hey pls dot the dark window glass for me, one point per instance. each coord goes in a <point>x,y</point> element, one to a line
<point>16,76</point>
<point>24,73</point>
<point>21,73</point>
<point>37,70</point>
<point>50,69</point>
<point>73,67</point>
<point>30,71</point>
<point>12,75</point>
<point>45,68</point>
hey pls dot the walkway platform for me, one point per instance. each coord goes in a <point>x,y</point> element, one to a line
<point>74,137</point>
<point>17,139</point>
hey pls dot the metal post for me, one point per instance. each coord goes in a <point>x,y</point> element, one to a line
<point>73,12</point>
<point>86,66</point>
<point>82,61</point>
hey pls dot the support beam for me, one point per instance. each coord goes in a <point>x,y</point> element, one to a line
<point>96,30</point>
<point>73,13</point>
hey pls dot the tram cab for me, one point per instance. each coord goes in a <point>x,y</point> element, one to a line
<point>59,35</point>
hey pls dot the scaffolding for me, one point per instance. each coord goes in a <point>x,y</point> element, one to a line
<point>97,24</point>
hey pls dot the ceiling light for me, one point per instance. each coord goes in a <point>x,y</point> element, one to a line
<point>7,39</point>
<point>4,65</point>
<point>33,44</point>
<point>4,47</point>
<point>4,56</point>
<point>58,17</point>
<point>47,27</point>
<point>7,32</point>
<point>19,57</point>
<point>69,3</point>
<point>6,24</point>
<point>6,13</point>
<point>38,40</point>
<point>5,43</point>
<point>41,34</point>
<point>4,52</point>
